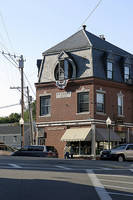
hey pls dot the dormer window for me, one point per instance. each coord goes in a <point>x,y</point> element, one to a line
<point>63,70</point>
<point>109,70</point>
<point>126,73</point>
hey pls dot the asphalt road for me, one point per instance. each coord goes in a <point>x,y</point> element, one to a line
<point>56,179</point>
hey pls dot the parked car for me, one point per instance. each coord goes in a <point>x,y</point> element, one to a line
<point>36,151</point>
<point>5,149</point>
<point>120,153</point>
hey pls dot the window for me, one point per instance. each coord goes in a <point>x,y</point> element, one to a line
<point>126,73</point>
<point>83,102</point>
<point>44,105</point>
<point>14,138</point>
<point>120,105</point>
<point>100,98</point>
<point>130,147</point>
<point>109,70</point>
<point>63,70</point>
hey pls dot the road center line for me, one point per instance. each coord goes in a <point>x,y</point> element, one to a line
<point>66,168</point>
<point>15,166</point>
<point>102,193</point>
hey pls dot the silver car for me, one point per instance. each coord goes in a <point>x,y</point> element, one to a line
<point>120,153</point>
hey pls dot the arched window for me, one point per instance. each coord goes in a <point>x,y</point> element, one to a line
<point>63,70</point>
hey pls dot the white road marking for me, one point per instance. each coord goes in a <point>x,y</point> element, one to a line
<point>121,194</point>
<point>114,181</point>
<point>119,187</point>
<point>102,193</point>
<point>119,176</point>
<point>15,166</point>
<point>107,169</point>
<point>62,167</point>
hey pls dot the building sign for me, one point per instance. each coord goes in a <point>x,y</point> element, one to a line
<point>61,84</point>
<point>63,95</point>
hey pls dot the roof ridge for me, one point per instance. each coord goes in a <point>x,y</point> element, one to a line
<point>84,31</point>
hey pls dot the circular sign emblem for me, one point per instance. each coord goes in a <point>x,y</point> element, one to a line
<point>61,84</point>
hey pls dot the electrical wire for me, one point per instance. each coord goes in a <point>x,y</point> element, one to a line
<point>4,26</point>
<point>10,61</point>
<point>29,84</point>
<point>93,10</point>
<point>17,66</point>
<point>9,106</point>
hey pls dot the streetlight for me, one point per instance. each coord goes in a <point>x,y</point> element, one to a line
<point>108,123</point>
<point>21,122</point>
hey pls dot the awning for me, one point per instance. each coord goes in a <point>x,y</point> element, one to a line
<point>102,134</point>
<point>85,134</point>
<point>76,134</point>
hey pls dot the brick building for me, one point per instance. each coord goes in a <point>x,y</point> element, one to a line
<point>81,82</point>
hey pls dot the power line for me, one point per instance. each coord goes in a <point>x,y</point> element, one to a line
<point>13,62</point>
<point>93,10</point>
<point>4,25</point>
<point>29,84</point>
<point>10,60</point>
<point>9,106</point>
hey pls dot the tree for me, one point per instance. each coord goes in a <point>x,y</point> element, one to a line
<point>12,118</point>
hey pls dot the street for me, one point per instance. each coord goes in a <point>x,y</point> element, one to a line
<point>37,178</point>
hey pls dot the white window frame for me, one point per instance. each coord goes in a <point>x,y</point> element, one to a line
<point>109,70</point>
<point>120,104</point>
<point>79,103</point>
<point>49,106</point>
<point>126,75</point>
<point>103,103</point>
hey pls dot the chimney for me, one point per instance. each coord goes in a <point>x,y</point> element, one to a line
<point>102,37</point>
<point>84,27</point>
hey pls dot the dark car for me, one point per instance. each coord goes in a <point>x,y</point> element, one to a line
<point>35,151</point>
<point>120,153</point>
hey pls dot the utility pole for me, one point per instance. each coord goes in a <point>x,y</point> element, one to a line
<point>21,66</point>
<point>30,116</point>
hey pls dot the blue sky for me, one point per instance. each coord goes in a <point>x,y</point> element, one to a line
<point>30,27</point>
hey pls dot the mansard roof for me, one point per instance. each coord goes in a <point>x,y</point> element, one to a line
<point>84,39</point>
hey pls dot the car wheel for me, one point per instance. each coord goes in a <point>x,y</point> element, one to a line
<point>120,158</point>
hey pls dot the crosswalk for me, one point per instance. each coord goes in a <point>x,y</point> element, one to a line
<point>112,185</point>
<point>109,183</point>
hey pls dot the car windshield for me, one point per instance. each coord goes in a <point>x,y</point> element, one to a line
<point>120,147</point>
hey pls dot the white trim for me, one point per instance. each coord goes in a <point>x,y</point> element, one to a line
<point>100,113</point>
<point>101,91</point>
<point>83,113</point>
<point>48,115</point>
<point>83,89</point>
<point>45,94</point>
<point>77,122</point>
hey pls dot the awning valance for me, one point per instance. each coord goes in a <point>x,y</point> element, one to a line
<point>76,134</point>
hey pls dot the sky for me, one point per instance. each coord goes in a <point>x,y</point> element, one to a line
<point>30,27</point>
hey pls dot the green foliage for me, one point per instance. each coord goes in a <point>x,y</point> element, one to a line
<point>26,113</point>
<point>12,118</point>
<point>15,117</point>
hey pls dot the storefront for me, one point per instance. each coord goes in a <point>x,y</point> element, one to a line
<point>80,139</point>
